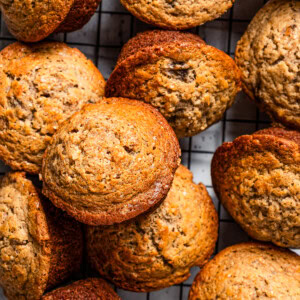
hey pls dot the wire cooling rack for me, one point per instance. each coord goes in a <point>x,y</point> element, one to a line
<point>101,40</point>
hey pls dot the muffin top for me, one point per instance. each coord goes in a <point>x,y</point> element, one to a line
<point>25,247</point>
<point>91,288</point>
<point>178,14</point>
<point>189,82</point>
<point>40,86</point>
<point>268,56</point>
<point>32,21</point>
<point>257,179</point>
<point>158,248</point>
<point>110,162</point>
<point>249,271</point>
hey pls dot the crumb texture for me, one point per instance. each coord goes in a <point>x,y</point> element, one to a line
<point>91,288</point>
<point>24,239</point>
<point>41,85</point>
<point>257,179</point>
<point>177,14</point>
<point>268,56</point>
<point>189,82</point>
<point>119,152</point>
<point>157,249</point>
<point>249,271</point>
<point>31,20</point>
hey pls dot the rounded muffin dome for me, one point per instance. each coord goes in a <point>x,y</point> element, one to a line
<point>157,249</point>
<point>91,289</point>
<point>111,161</point>
<point>32,21</point>
<point>40,245</point>
<point>41,85</point>
<point>268,56</point>
<point>249,271</point>
<point>257,179</point>
<point>189,82</point>
<point>179,14</point>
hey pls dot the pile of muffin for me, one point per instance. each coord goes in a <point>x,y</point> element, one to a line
<point>113,190</point>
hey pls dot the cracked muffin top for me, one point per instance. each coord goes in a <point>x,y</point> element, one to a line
<point>32,21</point>
<point>91,288</point>
<point>111,161</point>
<point>157,249</point>
<point>40,246</point>
<point>257,179</point>
<point>177,14</point>
<point>41,85</point>
<point>249,271</point>
<point>268,56</point>
<point>188,81</point>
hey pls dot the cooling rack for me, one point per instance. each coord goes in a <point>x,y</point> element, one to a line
<point>101,40</point>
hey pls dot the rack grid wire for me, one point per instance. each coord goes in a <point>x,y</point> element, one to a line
<point>101,41</point>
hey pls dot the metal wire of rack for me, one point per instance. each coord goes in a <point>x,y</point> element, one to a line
<point>101,40</point>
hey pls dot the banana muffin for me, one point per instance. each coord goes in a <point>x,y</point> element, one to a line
<point>179,14</point>
<point>40,246</point>
<point>32,21</point>
<point>110,162</point>
<point>249,271</point>
<point>91,289</point>
<point>268,56</point>
<point>158,248</point>
<point>189,82</point>
<point>257,179</point>
<point>41,85</point>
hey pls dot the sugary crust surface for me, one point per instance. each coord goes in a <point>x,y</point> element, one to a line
<point>24,245</point>
<point>249,271</point>
<point>40,86</point>
<point>40,246</point>
<point>157,249</point>
<point>268,56</point>
<point>79,15</point>
<point>91,289</point>
<point>119,152</point>
<point>177,14</point>
<point>257,179</point>
<point>32,21</point>
<point>189,82</point>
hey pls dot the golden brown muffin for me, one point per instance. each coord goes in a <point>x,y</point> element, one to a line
<point>189,82</point>
<point>157,249</point>
<point>257,179</point>
<point>110,162</point>
<point>41,85</point>
<point>86,289</point>
<point>179,14</point>
<point>32,21</point>
<point>249,271</point>
<point>40,246</point>
<point>268,56</point>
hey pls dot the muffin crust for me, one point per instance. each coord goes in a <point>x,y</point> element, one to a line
<point>119,152</point>
<point>189,82</point>
<point>158,248</point>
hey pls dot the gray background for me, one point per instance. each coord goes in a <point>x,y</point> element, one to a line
<point>101,40</point>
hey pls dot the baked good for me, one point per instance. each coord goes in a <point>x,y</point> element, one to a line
<point>257,179</point>
<point>178,14</point>
<point>40,246</point>
<point>158,248</point>
<point>189,82</point>
<point>249,271</point>
<point>91,288</point>
<point>41,85</point>
<point>110,162</point>
<point>32,21</point>
<point>268,56</point>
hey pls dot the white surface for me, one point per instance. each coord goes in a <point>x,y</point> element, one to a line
<point>115,29</point>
